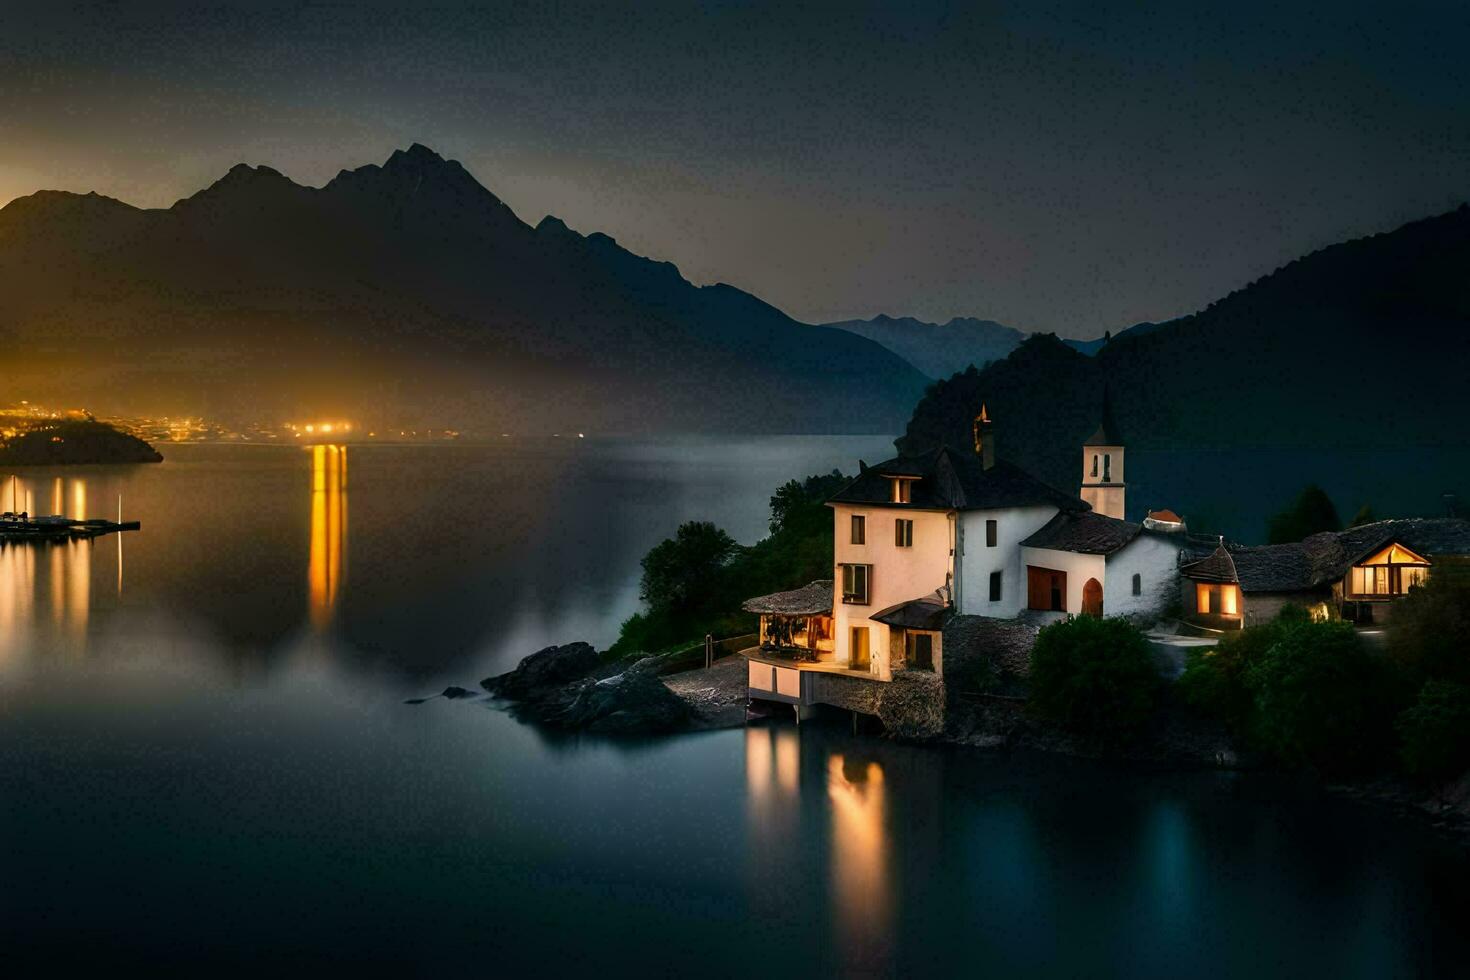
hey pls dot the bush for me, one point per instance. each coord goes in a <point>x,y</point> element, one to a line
<point>1214,677</point>
<point>1429,632</point>
<point>1094,676</point>
<point>1320,699</point>
<point>1434,733</point>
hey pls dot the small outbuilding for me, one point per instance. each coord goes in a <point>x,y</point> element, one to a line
<point>798,619</point>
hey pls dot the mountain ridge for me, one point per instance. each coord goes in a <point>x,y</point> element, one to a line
<point>407,286</point>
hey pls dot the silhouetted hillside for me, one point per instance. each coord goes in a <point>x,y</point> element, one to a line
<point>404,291</point>
<point>75,442</point>
<point>1360,344</point>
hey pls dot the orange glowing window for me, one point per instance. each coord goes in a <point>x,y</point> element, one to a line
<point>1202,592</point>
<point>1230,600</point>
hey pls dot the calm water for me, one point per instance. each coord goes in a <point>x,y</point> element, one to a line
<point>203,757</point>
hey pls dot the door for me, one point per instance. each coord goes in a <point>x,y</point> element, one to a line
<point>921,651</point>
<point>1092,598</point>
<point>858,651</point>
<point>1046,589</point>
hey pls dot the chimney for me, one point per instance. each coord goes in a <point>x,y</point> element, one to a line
<point>984,438</point>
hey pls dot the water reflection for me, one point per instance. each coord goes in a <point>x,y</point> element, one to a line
<point>852,815</point>
<point>52,580</point>
<point>325,566</point>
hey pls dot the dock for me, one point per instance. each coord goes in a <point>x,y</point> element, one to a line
<point>59,529</point>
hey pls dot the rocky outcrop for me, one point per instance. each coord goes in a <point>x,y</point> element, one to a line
<point>910,706</point>
<point>634,702</point>
<point>569,687</point>
<point>544,672</point>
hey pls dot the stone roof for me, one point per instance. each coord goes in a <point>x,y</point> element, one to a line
<point>952,480</point>
<point>813,599</point>
<point>1085,532</point>
<point>1326,557</point>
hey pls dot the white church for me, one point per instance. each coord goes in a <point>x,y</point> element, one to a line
<point>920,539</point>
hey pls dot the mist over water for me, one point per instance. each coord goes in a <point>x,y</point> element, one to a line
<point>204,758</point>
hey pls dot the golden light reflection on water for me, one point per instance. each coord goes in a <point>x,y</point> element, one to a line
<point>328,531</point>
<point>49,580</point>
<point>855,801</point>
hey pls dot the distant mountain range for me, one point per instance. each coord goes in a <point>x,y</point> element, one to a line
<point>405,292</point>
<point>942,349</point>
<point>1363,344</point>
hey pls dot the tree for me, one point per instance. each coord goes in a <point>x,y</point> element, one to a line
<point>1214,678</point>
<point>1321,699</point>
<point>685,573</point>
<point>1094,676</point>
<point>1311,512</point>
<point>800,506</point>
<point>1364,515</point>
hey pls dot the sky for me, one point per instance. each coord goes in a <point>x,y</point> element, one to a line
<point>1075,168</point>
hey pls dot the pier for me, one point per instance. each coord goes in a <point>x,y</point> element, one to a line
<point>58,529</point>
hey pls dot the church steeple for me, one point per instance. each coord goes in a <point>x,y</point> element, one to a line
<point>984,438</point>
<point>1102,465</point>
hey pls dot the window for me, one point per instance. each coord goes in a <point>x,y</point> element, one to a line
<point>903,533</point>
<point>995,586</point>
<point>1412,576</point>
<point>1107,467</point>
<point>1230,600</point>
<point>1094,466</point>
<point>1224,598</point>
<point>990,534</point>
<point>855,583</point>
<point>859,529</point>
<point>1137,584</point>
<point>1202,597</point>
<point>902,490</point>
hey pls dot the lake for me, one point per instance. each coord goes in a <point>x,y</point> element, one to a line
<point>204,759</point>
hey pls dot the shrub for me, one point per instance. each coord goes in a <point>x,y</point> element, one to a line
<point>1094,676</point>
<point>1214,678</point>
<point>1429,632</point>
<point>1434,733</point>
<point>1320,699</point>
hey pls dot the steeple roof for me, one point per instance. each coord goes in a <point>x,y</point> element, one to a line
<point>1108,433</point>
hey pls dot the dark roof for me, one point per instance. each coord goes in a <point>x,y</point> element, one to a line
<point>1085,532</point>
<point>928,613</point>
<point>1325,557</point>
<point>1214,567</point>
<point>952,480</point>
<point>1108,433</point>
<point>812,599</point>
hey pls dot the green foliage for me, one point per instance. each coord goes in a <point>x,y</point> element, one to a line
<point>1434,733</point>
<point>1213,681</point>
<point>694,583</point>
<point>680,573</point>
<point>1094,676</point>
<point>1364,515</point>
<point>1311,512</point>
<point>1320,699</point>
<point>1429,632</point>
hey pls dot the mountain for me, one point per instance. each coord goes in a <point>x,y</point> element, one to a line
<point>1360,345</point>
<point>1091,347</point>
<point>938,349</point>
<point>404,292</point>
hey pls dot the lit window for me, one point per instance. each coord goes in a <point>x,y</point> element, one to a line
<point>855,583</point>
<point>1202,597</point>
<point>1412,576</point>
<point>1230,600</point>
<point>859,529</point>
<point>903,533</point>
<point>902,490</point>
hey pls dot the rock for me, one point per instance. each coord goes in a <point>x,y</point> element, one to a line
<point>633,702</point>
<point>544,672</point>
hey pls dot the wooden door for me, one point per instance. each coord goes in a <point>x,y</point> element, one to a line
<point>1092,598</point>
<point>1046,589</point>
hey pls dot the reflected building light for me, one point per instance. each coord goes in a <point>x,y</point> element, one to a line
<point>859,857</point>
<point>58,505</point>
<point>328,531</point>
<point>78,500</point>
<point>78,585</point>
<point>17,596</point>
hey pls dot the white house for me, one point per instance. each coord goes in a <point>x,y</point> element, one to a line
<point>921,538</point>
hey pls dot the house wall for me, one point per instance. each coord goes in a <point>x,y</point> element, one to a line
<point>898,574</point>
<point>976,561</point>
<point>1262,607</point>
<point>1079,569</point>
<point>1155,559</point>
